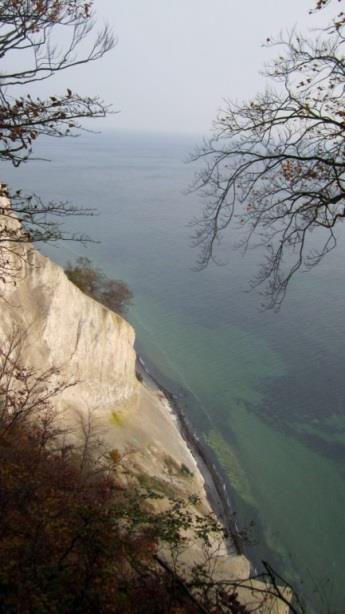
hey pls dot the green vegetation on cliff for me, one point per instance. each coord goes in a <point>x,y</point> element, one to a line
<point>112,293</point>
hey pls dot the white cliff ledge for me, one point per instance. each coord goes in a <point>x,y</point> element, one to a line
<point>61,327</point>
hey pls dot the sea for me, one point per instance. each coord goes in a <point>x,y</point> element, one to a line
<point>264,390</point>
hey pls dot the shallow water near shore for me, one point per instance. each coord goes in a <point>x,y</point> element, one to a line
<point>265,390</point>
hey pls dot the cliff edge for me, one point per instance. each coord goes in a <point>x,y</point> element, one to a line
<point>57,326</point>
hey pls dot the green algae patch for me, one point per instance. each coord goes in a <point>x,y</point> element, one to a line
<point>116,419</point>
<point>231,465</point>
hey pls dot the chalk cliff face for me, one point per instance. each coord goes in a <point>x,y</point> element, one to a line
<point>61,327</point>
<point>66,329</point>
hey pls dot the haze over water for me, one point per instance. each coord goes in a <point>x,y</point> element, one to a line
<point>266,390</point>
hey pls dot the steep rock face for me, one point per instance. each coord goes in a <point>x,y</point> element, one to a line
<point>56,325</point>
<point>61,327</point>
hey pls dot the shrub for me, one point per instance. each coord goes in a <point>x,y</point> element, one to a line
<point>112,293</point>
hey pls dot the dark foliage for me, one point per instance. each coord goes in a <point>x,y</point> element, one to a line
<point>112,293</point>
<point>70,540</point>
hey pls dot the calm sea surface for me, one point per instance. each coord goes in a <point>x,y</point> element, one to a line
<point>266,390</point>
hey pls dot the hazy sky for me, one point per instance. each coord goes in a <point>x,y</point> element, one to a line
<point>176,60</point>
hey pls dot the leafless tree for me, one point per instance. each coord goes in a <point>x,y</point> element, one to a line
<point>29,220</point>
<point>31,51</point>
<point>275,165</point>
<point>28,32</point>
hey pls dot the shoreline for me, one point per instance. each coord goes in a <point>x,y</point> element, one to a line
<point>215,487</point>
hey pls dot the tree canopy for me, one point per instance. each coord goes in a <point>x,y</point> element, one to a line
<point>275,164</point>
<point>112,293</point>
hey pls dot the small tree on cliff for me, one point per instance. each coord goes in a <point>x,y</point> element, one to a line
<point>276,165</point>
<point>39,38</point>
<point>113,293</point>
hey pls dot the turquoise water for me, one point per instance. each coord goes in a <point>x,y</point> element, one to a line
<point>266,390</point>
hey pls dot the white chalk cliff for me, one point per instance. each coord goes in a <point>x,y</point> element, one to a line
<point>61,327</point>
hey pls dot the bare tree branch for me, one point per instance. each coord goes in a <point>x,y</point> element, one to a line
<point>275,165</point>
<point>29,27</point>
<point>30,52</point>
